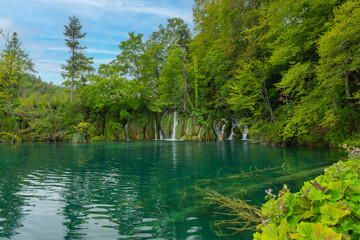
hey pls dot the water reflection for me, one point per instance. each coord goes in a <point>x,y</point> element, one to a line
<point>133,190</point>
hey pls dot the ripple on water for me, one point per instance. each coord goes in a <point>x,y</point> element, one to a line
<point>144,228</point>
<point>149,219</point>
<point>142,235</point>
<point>194,237</point>
<point>194,229</point>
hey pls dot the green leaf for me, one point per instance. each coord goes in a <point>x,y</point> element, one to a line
<point>270,232</point>
<point>316,231</point>
<point>339,186</point>
<point>332,214</point>
<point>317,195</point>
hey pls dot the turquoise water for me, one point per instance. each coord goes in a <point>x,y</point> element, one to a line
<point>136,190</point>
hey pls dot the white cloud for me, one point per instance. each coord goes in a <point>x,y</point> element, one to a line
<point>48,66</point>
<point>145,7</point>
<point>6,23</point>
<point>92,50</point>
<point>103,61</point>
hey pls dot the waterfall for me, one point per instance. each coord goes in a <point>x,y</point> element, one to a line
<point>220,130</point>
<point>161,126</point>
<point>127,132</point>
<point>155,129</point>
<point>234,123</point>
<point>245,132</point>
<point>187,127</point>
<point>174,126</point>
<point>199,133</point>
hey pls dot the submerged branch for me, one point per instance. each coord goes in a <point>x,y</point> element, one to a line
<point>245,216</point>
<point>242,174</point>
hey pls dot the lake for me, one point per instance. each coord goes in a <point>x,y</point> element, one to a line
<point>137,190</point>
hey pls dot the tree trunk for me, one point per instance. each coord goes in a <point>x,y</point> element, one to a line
<point>72,72</point>
<point>196,81</point>
<point>185,79</point>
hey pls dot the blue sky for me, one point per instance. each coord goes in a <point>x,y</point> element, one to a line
<point>40,24</point>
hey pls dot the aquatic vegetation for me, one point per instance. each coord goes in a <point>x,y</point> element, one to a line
<point>325,208</point>
<point>243,216</point>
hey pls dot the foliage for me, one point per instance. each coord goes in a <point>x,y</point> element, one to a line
<point>78,64</point>
<point>289,69</point>
<point>325,208</point>
<point>14,62</point>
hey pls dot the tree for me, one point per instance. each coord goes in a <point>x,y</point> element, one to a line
<point>171,80</point>
<point>177,34</point>
<point>78,62</point>
<point>131,56</point>
<point>14,62</point>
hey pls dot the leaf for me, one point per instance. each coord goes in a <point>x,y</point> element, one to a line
<point>317,195</point>
<point>332,214</point>
<point>306,214</point>
<point>339,186</point>
<point>316,231</point>
<point>335,196</point>
<point>270,232</point>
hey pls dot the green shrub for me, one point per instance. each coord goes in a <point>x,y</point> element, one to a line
<point>98,139</point>
<point>325,208</point>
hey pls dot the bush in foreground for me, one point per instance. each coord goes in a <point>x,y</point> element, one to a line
<point>325,208</point>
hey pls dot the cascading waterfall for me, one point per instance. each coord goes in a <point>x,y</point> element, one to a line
<point>187,127</point>
<point>155,129</point>
<point>234,123</point>
<point>127,132</point>
<point>161,126</point>
<point>220,129</point>
<point>245,132</point>
<point>174,126</point>
<point>199,133</point>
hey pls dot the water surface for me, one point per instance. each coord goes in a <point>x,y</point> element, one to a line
<point>136,190</point>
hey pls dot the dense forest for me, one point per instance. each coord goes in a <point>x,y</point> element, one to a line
<point>287,69</point>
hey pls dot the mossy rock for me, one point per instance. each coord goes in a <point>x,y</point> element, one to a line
<point>166,123</point>
<point>142,127</point>
<point>77,138</point>
<point>195,138</point>
<point>208,134</point>
<point>187,138</point>
<point>238,131</point>
<point>122,135</point>
<point>227,130</point>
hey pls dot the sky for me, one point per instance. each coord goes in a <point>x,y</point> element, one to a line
<point>40,25</point>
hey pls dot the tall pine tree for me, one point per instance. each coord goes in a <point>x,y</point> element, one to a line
<point>75,64</point>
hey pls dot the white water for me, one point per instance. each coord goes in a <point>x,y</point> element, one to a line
<point>199,133</point>
<point>174,126</point>
<point>127,132</point>
<point>155,129</point>
<point>187,127</point>
<point>219,129</point>
<point>245,133</point>
<point>161,126</point>
<point>234,123</point>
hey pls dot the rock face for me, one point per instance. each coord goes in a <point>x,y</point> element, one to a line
<point>170,125</point>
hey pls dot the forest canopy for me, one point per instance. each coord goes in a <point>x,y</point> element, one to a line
<point>288,69</point>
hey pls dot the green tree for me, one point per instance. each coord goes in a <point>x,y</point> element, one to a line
<point>177,34</point>
<point>171,82</point>
<point>132,52</point>
<point>78,63</point>
<point>14,62</point>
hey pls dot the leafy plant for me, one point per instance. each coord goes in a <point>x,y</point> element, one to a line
<point>325,208</point>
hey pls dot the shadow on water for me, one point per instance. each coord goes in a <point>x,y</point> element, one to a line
<point>136,190</point>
